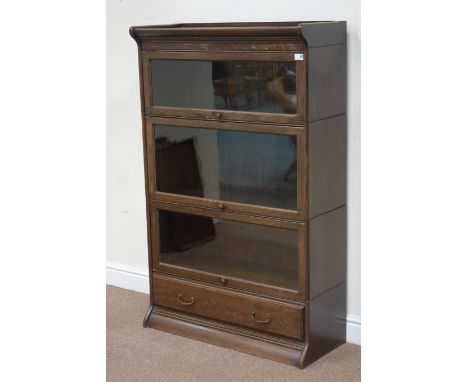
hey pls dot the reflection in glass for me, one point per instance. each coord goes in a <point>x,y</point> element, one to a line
<point>227,248</point>
<point>235,166</point>
<point>268,87</point>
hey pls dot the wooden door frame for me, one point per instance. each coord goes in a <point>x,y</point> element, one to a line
<point>299,132</point>
<point>227,115</point>
<point>301,294</point>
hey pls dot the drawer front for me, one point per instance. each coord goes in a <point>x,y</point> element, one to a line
<point>254,312</point>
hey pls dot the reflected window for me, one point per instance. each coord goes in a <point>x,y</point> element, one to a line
<point>255,86</point>
<point>246,251</point>
<point>243,167</point>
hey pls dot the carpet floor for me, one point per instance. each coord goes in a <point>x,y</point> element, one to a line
<point>137,354</point>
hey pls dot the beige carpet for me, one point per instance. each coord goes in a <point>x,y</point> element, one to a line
<point>136,354</point>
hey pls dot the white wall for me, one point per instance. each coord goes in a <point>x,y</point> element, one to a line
<point>126,226</point>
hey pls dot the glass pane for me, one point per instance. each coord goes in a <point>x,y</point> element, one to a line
<point>252,252</point>
<point>243,167</point>
<point>267,87</point>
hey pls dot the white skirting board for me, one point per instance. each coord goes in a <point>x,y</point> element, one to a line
<point>126,277</point>
<point>353,329</point>
<point>136,279</point>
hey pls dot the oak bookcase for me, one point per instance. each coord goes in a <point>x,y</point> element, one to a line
<point>244,131</point>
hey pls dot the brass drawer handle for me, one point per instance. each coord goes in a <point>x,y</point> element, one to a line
<point>180,301</point>
<point>261,321</point>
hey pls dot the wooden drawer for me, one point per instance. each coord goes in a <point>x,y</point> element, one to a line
<point>259,313</point>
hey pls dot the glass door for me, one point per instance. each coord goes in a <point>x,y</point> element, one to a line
<point>252,86</point>
<point>227,166</point>
<point>248,253</point>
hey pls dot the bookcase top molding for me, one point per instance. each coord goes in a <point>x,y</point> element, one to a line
<point>315,33</point>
